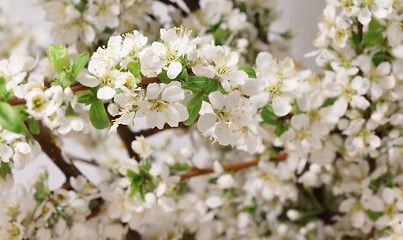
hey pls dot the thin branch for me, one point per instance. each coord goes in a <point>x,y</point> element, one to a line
<point>260,35</point>
<point>232,167</point>
<point>175,5</point>
<point>49,146</point>
<point>75,158</point>
<point>193,5</point>
<point>358,49</point>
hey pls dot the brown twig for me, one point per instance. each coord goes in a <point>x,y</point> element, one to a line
<point>175,5</point>
<point>49,146</point>
<point>75,158</point>
<point>260,33</point>
<point>193,5</point>
<point>358,49</point>
<point>231,167</point>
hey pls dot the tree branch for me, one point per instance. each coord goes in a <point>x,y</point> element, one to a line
<point>260,33</point>
<point>175,5</point>
<point>193,5</point>
<point>74,158</point>
<point>232,167</point>
<point>49,146</point>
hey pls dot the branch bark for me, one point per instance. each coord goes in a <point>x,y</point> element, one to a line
<point>232,167</point>
<point>49,146</point>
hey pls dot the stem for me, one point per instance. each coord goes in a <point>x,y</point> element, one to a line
<point>358,49</point>
<point>175,5</point>
<point>260,35</point>
<point>193,5</point>
<point>232,167</point>
<point>49,146</point>
<point>74,158</point>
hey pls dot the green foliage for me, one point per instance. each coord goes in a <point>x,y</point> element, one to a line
<point>213,180</point>
<point>248,70</point>
<point>193,107</point>
<point>211,87</point>
<point>135,67</point>
<point>58,57</point>
<point>374,215</point>
<point>268,115</point>
<point>163,77</point>
<point>379,57</point>
<point>4,94</point>
<point>374,34</point>
<point>87,96</point>
<point>80,63</point>
<point>4,170</point>
<point>98,116</point>
<point>197,81</point>
<point>33,126</point>
<point>10,119</point>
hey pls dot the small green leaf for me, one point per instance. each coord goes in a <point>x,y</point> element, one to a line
<point>329,102</point>
<point>373,35</point>
<point>92,204</point>
<point>211,87</point>
<point>79,64</point>
<point>4,94</point>
<point>98,116</point>
<point>220,35</point>
<point>249,209</point>
<point>280,129</point>
<point>33,126</point>
<point>271,153</point>
<point>58,57</point>
<point>9,119</point>
<point>379,57</point>
<point>213,180</point>
<point>193,107</point>
<point>248,70</point>
<point>374,215</point>
<point>197,81</point>
<point>268,115</point>
<point>5,167</point>
<point>163,77</point>
<point>135,67</point>
<point>384,230</point>
<point>134,188</point>
<point>148,163</point>
<point>355,40</point>
<point>286,35</point>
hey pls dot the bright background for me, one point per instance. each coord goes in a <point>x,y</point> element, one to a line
<point>299,15</point>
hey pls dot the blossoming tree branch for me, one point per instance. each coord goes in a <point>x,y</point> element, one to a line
<point>201,126</point>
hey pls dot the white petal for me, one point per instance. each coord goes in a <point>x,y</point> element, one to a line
<point>174,69</point>
<point>214,202</point>
<point>153,90</point>
<point>217,99</point>
<point>364,16</point>
<point>280,106</point>
<point>223,133</point>
<point>86,79</point>
<point>173,92</point>
<point>106,93</point>
<point>206,121</point>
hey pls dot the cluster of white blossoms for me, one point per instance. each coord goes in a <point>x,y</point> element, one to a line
<point>262,149</point>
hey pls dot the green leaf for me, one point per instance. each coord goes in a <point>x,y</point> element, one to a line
<point>249,209</point>
<point>373,35</point>
<point>135,67</point>
<point>286,35</point>
<point>9,119</point>
<point>211,87</point>
<point>379,57</point>
<point>58,57</point>
<point>98,116</point>
<point>81,5</point>
<point>355,40</point>
<point>92,204</point>
<point>374,215</point>
<point>213,180</point>
<point>33,126</point>
<point>148,163</point>
<point>193,107</point>
<point>384,230</point>
<point>268,115</point>
<point>134,188</point>
<point>248,70</point>
<point>271,153</point>
<point>79,64</point>
<point>4,94</point>
<point>5,167</point>
<point>163,77</point>
<point>134,177</point>
<point>197,81</point>
<point>329,101</point>
<point>280,129</point>
<point>220,35</point>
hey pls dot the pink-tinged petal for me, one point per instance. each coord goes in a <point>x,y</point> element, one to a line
<point>106,93</point>
<point>174,69</point>
<point>280,106</point>
<point>153,90</point>
<point>206,121</point>
<point>217,99</point>
<point>223,133</point>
